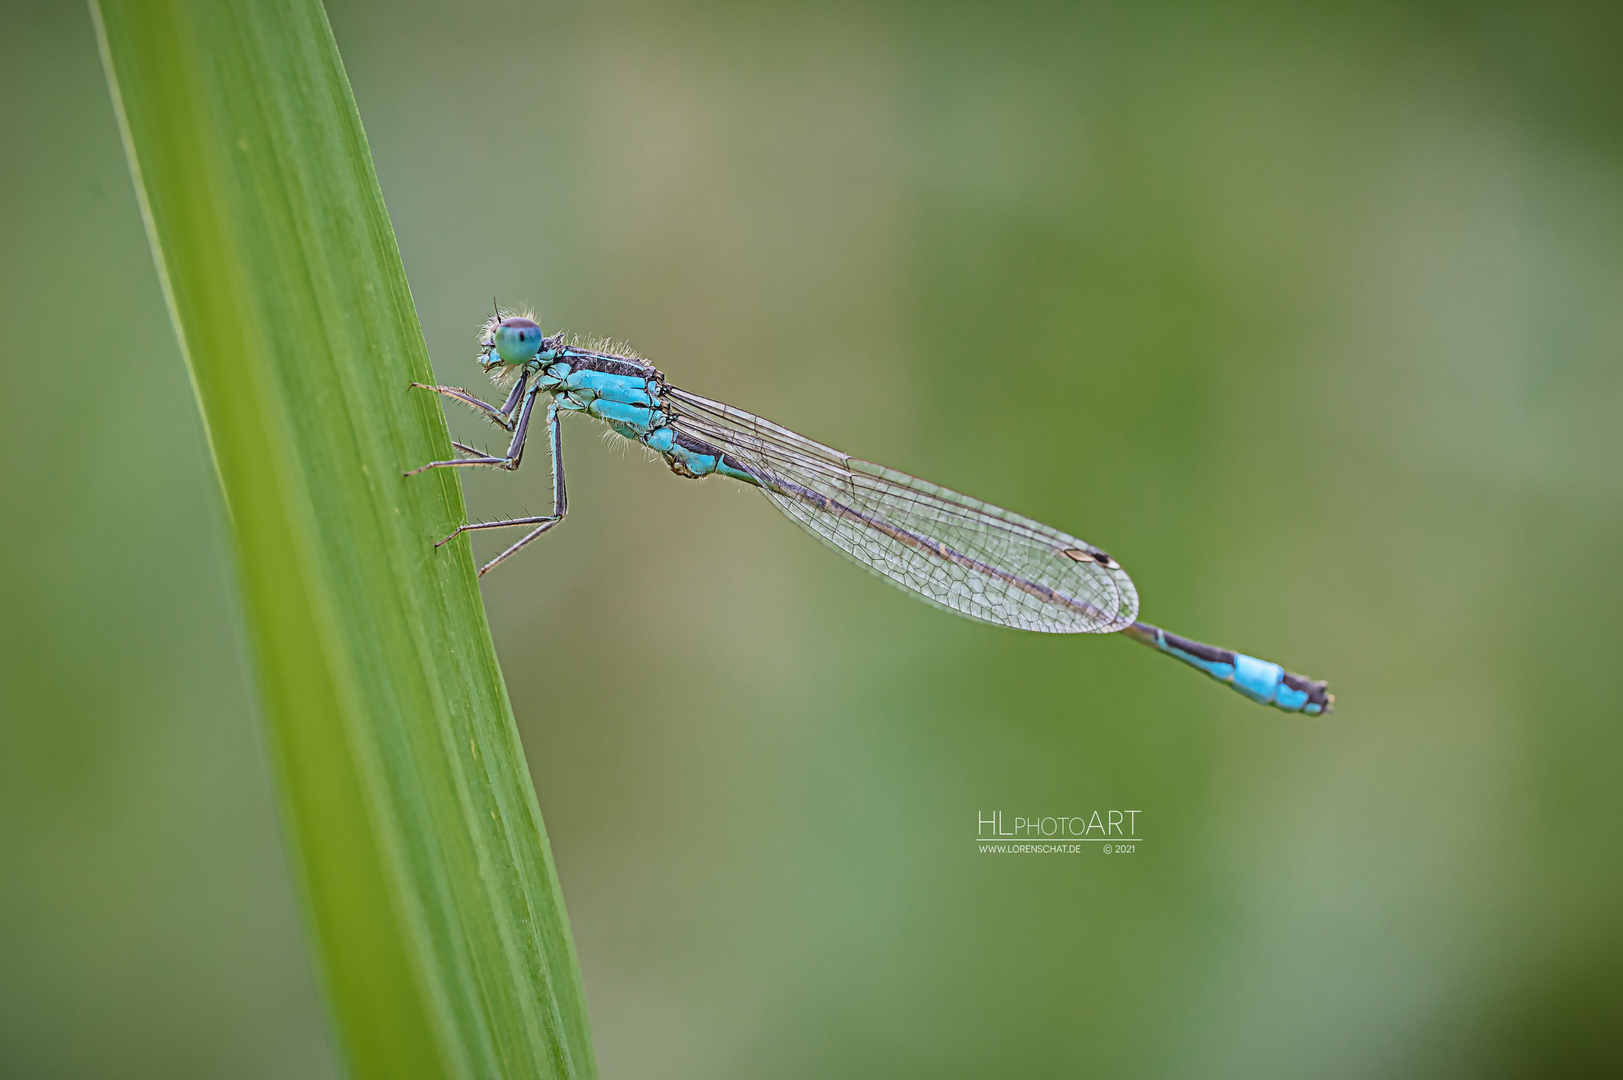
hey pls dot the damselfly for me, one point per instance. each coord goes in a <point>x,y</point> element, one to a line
<point>957,553</point>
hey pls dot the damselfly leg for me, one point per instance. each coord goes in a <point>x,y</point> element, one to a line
<point>560,494</point>
<point>515,449</point>
<point>503,417</point>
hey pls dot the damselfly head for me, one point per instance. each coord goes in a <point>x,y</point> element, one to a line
<point>516,340</point>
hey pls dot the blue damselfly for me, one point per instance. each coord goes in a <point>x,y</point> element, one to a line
<point>958,553</point>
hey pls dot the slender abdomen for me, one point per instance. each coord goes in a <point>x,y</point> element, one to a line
<point>1259,680</point>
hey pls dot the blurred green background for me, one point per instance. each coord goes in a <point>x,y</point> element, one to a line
<point>1314,320</point>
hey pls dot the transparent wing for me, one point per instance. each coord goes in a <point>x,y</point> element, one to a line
<point>954,551</point>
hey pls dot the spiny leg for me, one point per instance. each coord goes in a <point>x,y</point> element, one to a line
<point>560,494</point>
<point>518,391</point>
<point>501,416</point>
<point>493,563</point>
<point>475,526</point>
<point>560,498</point>
<point>466,449</point>
<point>515,449</point>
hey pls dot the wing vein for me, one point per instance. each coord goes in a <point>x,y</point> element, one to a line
<point>956,552</point>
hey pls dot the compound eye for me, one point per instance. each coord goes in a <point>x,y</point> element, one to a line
<point>517,340</point>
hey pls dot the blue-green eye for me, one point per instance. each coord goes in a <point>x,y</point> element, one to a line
<point>518,340</point>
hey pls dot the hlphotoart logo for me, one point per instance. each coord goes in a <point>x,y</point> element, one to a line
<point>1115,832</point>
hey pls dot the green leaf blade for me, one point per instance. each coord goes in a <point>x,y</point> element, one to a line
<point>429,885</point>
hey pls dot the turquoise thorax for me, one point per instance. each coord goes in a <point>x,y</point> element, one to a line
<point>629,404</point>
